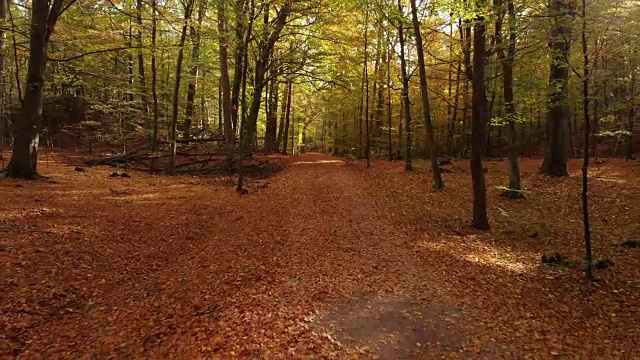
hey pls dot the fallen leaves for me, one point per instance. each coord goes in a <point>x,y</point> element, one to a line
<point>166,267</point>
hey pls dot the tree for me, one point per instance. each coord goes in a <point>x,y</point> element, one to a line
<point>406,102</point>
<point>265,49</point>
<point>366,85</point>
<point>555,160</point>
<point>225,88</point>
<point>587,137</point>
<point>426,107</point>
<point>188,9</point>
<point>3,96</point>
<point>26,131</point>
<point>507,61</point>
<point>479,119</point>
<point>194,69</point>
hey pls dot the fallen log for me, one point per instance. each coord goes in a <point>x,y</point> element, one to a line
<point>118,159</point>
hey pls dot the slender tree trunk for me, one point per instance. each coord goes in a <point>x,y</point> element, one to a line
<point>141,68</point>
<point>405,94</point>
<point>555,160</point>
<point>225,89</point>
<point>272,116</point>
<point>514,190</point>
<point>194,69</point>
<point>454,115</point>
<point>363,84</point>
<point>154,83</point>
<point>631,118</point>
<point>176,89</point>
<point>389,107</point>
<point>366,85</point>
<point>587,135</point>
<point>465,38</point>
<point>479,122</point>
<point>243,120</point>
<point>426,106</point>
<point>240,50</point>
<point>3,90</point>
<point>283,111</point>
<point>285,137</point>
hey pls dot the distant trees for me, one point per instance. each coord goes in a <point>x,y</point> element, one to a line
<point>103,58</point>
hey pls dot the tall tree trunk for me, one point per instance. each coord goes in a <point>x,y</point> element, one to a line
<point>514,190</point>
<point>261,68</point>
<point>426,106</point>
<point>587,135</point>
<point>285,137</point>
<point>3,91</point>
<point>366,85</point>
<point>154,82</point>
<point>389,107</point>
<point>465,38</point>
<point>225,89</point>
<point>555,160</point>
<point>176,89</point>
<point>479,121</point>
<point>240,50</point>
<point>194,68</point>
<point>405,94</point>
<point>142,81</point>
<point>381,54</point>
<point>243,120</point>
<point>26,131</point>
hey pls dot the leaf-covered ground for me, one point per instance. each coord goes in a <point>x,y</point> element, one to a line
<point>322,260</point>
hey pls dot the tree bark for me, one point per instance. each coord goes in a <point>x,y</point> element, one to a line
<point>555,160</point>
<point>479,121</point>
<point>426,106</point>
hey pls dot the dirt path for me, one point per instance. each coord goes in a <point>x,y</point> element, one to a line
<point>322,259</point>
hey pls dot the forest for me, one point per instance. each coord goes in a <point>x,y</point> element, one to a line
<point>384,179</point>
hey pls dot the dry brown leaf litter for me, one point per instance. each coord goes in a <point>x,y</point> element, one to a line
<point>182,267</point>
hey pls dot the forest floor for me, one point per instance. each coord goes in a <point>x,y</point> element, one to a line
<point>321,260</point>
